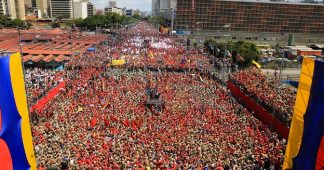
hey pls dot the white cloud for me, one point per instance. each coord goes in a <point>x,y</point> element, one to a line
<point>143,5</point>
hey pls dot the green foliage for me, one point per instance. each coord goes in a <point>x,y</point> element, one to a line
<point>56,24</point>
<point>156,20</point>
<point>64,16</point>
<point>108,20</point>
<point>137,16</point>
<point>8,23</point>
<point>248,51</point>
<point>211,42</point>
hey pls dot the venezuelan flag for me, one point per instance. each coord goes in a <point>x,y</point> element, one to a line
<point>305,148</point>
<point>16,147</point>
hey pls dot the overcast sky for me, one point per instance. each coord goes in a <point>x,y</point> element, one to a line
<point>143,5</point>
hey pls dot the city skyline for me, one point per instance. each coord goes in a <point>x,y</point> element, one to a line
<point>142,5</point>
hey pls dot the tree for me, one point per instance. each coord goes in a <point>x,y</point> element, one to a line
<point>248,51</point>
<point>137,16</point>
<point>56,24</point>
<point>156,20</point>
<point>64,16</point>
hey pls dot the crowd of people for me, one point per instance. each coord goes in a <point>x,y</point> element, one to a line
<point>100,120</point>
<point>39,81</point>
<point>278,99</point>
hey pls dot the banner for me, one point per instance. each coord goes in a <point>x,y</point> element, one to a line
<point>16,147</point>
<point>49,97</point>
<point>118,62</point>
<point>305,146</point>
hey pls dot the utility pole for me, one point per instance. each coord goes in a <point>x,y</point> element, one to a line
<point>24,71</point>
<point>172,20</point>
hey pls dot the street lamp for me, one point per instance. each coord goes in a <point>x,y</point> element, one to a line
<point>281,63</point>
<point>172,20</point>
<point>23,66</point>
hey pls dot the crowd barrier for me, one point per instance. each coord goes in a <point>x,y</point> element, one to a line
<point>259,112</point>
<point>49,97</point>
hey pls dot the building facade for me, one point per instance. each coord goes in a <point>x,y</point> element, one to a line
<point>273,19</point>
<point>61,8</point>
<point>165,4</point>
<point>80,10</point>
<point>2,7</point>
<point>112,4</point>
<point>14,9</point>
<point>114,10</point>
<point>129,12</point>
<point>91,9</point>
<point>43,6</point>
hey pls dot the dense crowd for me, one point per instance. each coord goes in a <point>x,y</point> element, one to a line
<point>278,99</point>
<point>101,121</point>
<point>39,81</point>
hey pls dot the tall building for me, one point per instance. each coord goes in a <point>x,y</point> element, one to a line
<point>13,8</point>
<point>112,4</point>
<point>114,9</point>
<point>2,7</point>
<point>165,4</point>
<point>255,20</point>
<point>80,9</point>
<point>129,12</point>
<point>173,4</point>
<point>155,7</point>
<point>43,6</point>
<point>61,8</point>
<point>34,3</point>
<point>91,10</point>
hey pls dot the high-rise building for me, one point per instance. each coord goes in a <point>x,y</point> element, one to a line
<point>251,20</point>
<point>114,10</point>
<point>112,4</point>
<point>173,4</point>
<point>129,12</point>
<point>80,9</point>
<point>61,8</point>
<point>164,4</point>
<point>34,3</point>
<point>43,6</point>
<point>2,7</point>
<point>13,8</point>
<point>91,9</point>
<point>155,7</point>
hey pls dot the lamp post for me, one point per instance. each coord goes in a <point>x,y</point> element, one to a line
<point>24,71</point>
<point>172,20</point>
<point>281,63</point>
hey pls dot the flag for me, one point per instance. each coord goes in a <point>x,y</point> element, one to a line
<point>306,142</point>
<point>151,54</point>
<point>16,147</point>
<point>256,64</point>
<point>113,118</point>
<point>93,122</point>
<point>239,58</point>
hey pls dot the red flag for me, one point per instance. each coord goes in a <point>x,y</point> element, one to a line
<point>93,122</point>
<point>106,121</point>
<point>134,125</point>
<point>239,58</point>
<point>126,123</point>
<point>114,131</point>
<point>113,118</point>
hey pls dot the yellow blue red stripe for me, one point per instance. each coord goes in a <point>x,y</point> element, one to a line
<point>16,146</point>
<point>307,127</point>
